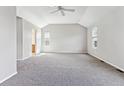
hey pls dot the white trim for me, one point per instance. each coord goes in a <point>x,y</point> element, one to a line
<point>113,65</point>
<point>23,58</point>
<point>8,77</point>
<point>66,52</point>
<point>19,59</point>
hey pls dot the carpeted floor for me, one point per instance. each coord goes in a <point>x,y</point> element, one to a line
<point>64,70</point>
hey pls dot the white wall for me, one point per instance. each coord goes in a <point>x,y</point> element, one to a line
<point>110,38</point>
<point>27,39</point>
<point>94,14</point>
<point>19,37</point>
<point>67,38</point>
<point>24,36</point>
<point>7,42</point>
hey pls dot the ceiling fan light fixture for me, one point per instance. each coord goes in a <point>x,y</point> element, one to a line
<point>62,9</point>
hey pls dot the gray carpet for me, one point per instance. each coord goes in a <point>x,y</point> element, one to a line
<point>65,70</point>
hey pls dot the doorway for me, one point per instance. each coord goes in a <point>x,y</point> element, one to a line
<point>36,42</point>
<point>33,42</point>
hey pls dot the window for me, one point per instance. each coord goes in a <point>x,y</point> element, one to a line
<point>47,37</point>
<point>94,32</point>
<point>94,38</point>
<point>38,41</point>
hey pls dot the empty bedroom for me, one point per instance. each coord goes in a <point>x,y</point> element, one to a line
<point>62,45</point>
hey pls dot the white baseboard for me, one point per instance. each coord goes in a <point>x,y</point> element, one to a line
<point>8,77</point>
<point>113,65</point>
<point>66,52</point>
<point>23,58</point>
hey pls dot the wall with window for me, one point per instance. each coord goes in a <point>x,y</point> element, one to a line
<point>67,38</point>
<point>110,38</point>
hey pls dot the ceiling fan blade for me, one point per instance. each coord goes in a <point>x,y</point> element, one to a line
<point>62,12</point>
<point>70,10</point>
<point>54,11</point>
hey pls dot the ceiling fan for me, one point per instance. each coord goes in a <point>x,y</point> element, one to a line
<point>62,10</point>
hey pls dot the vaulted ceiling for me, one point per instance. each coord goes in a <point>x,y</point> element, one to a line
<point>84,15</point>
